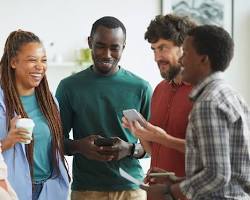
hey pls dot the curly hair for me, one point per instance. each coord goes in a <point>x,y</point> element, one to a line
<point>214,42</point>
<point>169,27</point>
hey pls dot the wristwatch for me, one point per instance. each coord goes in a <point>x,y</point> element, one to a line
<point>132,150</point>
<point>137,151</point>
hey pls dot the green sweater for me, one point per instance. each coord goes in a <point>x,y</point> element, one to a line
<point>92,104</point>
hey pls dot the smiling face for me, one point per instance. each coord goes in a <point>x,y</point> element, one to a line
<point>30,65</point>
<point>196,66</point>
<point>167,55</point>
<point>107,45</point>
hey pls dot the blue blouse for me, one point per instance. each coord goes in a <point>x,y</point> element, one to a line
<point>19,173</point>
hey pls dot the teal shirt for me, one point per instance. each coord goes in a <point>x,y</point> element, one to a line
<point>92,104</point>
<point>42,139</point>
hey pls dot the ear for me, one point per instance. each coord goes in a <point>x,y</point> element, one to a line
<point>205,60</point>
<point>123,47</point>
<point>13,63</point>
<point>90,42</point>
<point>180,52</point>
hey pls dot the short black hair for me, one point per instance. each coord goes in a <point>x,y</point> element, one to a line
<point>216,43</point>
<point>169,27</point>
<point>109,22</point>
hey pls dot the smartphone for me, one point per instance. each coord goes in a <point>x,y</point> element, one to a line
<point>133,115</point>
<point>104,142</point>
<point>162,174</point>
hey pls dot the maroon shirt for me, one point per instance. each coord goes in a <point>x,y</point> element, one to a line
<point>170,108</point>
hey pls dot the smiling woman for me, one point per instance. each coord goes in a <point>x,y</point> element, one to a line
<point>30,66</point>
<point>25,93</point>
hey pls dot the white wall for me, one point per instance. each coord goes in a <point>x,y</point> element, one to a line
<point>67,24</point>
<point>238,72</point>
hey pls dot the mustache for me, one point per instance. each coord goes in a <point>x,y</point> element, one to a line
<point>106,60</point>
<point>162,62</point>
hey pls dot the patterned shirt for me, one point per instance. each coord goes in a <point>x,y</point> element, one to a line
<point>217,143</point>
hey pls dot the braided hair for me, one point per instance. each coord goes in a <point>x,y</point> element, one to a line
<point>14,43</point>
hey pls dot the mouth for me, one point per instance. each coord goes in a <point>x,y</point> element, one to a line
<point>36,76</point>
<point>163,64</point>
<point>106,63</point>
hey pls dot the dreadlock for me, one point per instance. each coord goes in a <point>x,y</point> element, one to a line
<point>48,107</point>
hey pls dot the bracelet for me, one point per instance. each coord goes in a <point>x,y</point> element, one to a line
<point>132,150</point>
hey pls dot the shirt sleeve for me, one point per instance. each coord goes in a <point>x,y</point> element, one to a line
<point>209,127</point>
<point>66,112</point>
<point>146,102</point>
<point>3,167</point>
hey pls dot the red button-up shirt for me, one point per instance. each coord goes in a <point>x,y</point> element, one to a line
<point>169,110</point>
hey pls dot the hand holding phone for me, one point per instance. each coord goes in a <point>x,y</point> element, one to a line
<point>170,175</point>
<point>104,142</point>
<point>133,115</point>
<point>158,174</point>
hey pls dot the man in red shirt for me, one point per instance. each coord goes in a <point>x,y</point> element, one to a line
<point>170,104</point>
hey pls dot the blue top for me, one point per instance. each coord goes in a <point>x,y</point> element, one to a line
<point>42,139</point>
<point>19,173</point>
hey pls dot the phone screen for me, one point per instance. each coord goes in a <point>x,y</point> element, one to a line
<point>133,115</point>
<point>104,142</point>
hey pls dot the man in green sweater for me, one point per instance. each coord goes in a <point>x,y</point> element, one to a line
<point>91,103</point>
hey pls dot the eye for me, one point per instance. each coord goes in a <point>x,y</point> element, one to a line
<point>98,46</point>
<point>115,48</point>
<point>31,60</point>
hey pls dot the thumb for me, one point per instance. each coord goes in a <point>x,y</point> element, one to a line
<point>150,127</point>
<point>13,121</point>
<point>144,187</point>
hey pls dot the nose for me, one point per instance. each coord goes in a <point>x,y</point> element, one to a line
<point>40,65</point>
<point>157,55</point>
<point>107,53</point>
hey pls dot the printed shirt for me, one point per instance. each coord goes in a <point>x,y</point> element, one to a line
<point>217,143</point>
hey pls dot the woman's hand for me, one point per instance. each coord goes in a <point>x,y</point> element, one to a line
<point>14,135</point>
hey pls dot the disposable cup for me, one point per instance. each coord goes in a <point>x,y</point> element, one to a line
<point>27,124</point>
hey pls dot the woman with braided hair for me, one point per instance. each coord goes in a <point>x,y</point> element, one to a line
<point>36,170</point>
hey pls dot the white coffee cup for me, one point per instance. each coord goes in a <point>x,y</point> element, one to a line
<point>27,124</point>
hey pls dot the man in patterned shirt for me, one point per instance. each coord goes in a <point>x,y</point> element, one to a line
<point>218,135</point>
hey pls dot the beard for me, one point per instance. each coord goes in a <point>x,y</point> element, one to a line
<point>171,73</point>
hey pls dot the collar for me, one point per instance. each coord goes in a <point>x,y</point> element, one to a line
<point>198,89</point>
<point>173,84</point>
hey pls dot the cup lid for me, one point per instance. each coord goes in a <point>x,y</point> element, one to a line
<point>25,122</point>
